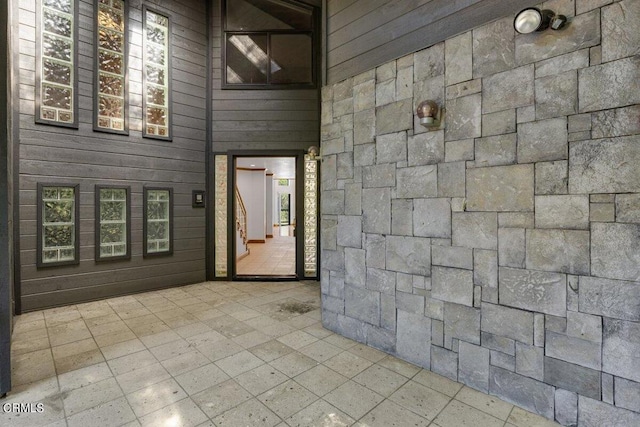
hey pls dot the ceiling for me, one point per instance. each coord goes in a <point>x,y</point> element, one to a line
<point>281,167</point>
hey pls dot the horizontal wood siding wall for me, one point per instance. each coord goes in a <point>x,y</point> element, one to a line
<point>259,119</point>
<point>54,154</point>
<point>362,34</point>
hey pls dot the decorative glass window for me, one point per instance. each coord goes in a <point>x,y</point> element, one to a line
<point>58,236</point>
<point>268,43</point>
<point>157,74</point>
<point>220,223</point>
<point>283,182</point>
<point>310,217</point>
<point>56,89</point>
<point>158,221</point>
<point>110,109</point>
<point>113,235</point>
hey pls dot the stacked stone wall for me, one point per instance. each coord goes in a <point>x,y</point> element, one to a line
<point>501,249</point>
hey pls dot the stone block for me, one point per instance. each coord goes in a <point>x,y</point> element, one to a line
<point>404,83</point>
<point>333,304</point>
<point>552,177</point>
<point>451,179</point>
<point>508,89</point>
<point>336,285</point>
<point>499,123</point>
<point>421,283</point>
<point>394,117</point>
<point>628,207</point>
<point>362,304</point>
<point>573,350</point>
<point>530,361</point>
<point>602,198</point>
<point>364,96</point>
<point>584,326</point>
<point>607,388</point>
<point>583,32</point>
<point>386,71</point>
<point>620,348</point>
<point>485,268</point>
<point>593,413</point>
<point>511,247</point>
<point>350,231</point>
<point>493,48</point>
<point>404,282</point>
<point>410,255</point>
<point>329,234</point>
<point>617,122</point>
<point>560,64</point>
<point>329,174</point>
<point>496,150</point>
<point>342,107</point>
<point>391,148</point>
<point>431,218</point>
<point>364,126</point>
<point>426,148</point>
<point>602,212</point>
<point>463,118</point>
<point>332,146</point>
<point>538,330</point>
<point>610,85</point>
<point>343,90</point>
<point>411,303</point>
<point>605,165</point>
<point>402,217</point>
<point>429,62</point>
<point>615,251</point>
<point>533,290</point>
<point>572,293</point>
<point>376,210</point>
<point>595,55</point>
<point>627,394</point>
<point>579,123</point>
<point>437,333</point>
<point>353,198</point>
<point>344,165</point>
<point>584,381</point>
<point>416,182</point>
<point>475,230</point>
<point>382,281</point>
<point>452,256</point>
<point>414,338</point>
<point>332,202</point>
<point>502,360</point>
<point>430,88</point>
<point>458,59</point>
<point>557,95</point>
<point>569,212</point>
<point>333,260</point>
<point>326,115</point>
<point>620,30</point>
<point>383,175</point>
<point>526,114</point>
<point>444,362</point>
<point>473,366</point>
<point>380,338</point>
<point>498,343</point>
<point>351,328</point>
<point>462,322</point>
<point>583,6</point>
<point>516,220</point>
<point>579,136</point>
<point>388,312</point>
<point>561,251</point>
<point>463,89</point>
<point>566,407</point>
<point>355,272</point>
<point>527,393</point>
<point>364,155</point>
<point>500,188</point>
<point>507,322</point>
<point>385,92</point>
<point>452,285</point>
<point>375,250</point>
<point>542,141</point>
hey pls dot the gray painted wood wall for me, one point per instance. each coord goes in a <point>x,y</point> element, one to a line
<point>362,34</point>
<point>53,154</point>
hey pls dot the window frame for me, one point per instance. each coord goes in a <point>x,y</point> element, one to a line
<point>96,72</point>
<point>169,76</point>
<point>98,223</point>
<point>315,40</point>
<point>40,224</point>
<point>145,252</point>
<point>74,69</point>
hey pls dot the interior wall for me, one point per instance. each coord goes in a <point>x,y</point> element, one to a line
<point>500,249</point>
<point>251,184</point>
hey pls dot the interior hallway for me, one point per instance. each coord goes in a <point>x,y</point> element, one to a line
<point>225,354</point>
<point>275,257</point>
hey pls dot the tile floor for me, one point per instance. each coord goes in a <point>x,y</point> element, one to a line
<point>276,257</point>
<point>225,354</point>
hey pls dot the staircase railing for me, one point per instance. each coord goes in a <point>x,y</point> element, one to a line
<point>241,217</point>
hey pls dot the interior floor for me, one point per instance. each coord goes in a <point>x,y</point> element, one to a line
<point>275,257</point>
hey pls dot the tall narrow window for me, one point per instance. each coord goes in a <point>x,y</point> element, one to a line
<point>110,109</point>
<point>220,212</point>
<point>310,217</point>
<point>113,235</point>
<point>58,237</point>
<point>56,89</point>
<point>158,221</point>
<point>157,75</point>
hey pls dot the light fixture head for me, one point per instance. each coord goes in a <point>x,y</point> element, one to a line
<point>313,152</point>
<point>428,112</point>
<point>533,19</point>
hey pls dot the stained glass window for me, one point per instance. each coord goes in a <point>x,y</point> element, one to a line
<point>112,225</point>
<point>158,218</point>
<point>220,196</point>
<point>156,75</point>
<point>110,108</point>
<point>56,102</point>
<point>310,217</point>
<point>58,225</point>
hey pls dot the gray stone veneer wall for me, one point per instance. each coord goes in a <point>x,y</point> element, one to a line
<point>501,250</point>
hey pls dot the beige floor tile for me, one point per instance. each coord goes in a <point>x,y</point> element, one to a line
<point>22,325</point>
<point>420,399</point>
<point>318,331</point>
<point>261,379</point>
<point>156,396</point>
<point>320,380</point>
<point>522,418</point>
<point>142,377</point>
<point>320,351</point>
<point>287,398</point>
<point>93,322</point>
<point>400,366</point>
<point>185,362</point>
<point>23,346</point>
<point>297,339</point>
<point>271,350</point>
<point>352,398</point>
<point>159,338</point>
<point>457,414</point>
<point>122,349</point>
<point>84,376</point>
<point>320,414</point>
<point>91,395</point>
<point>219,349</point>
<point>340,341</point>
<point>389,414</point>
<point>249,413</point>
<point>45,391</point>
<point>69,332</point>
<point>184,413</point>
<point>33,366</point>
<point>130,362</point>
<point>77,361</point>
<point>74,348</point>
<point>228,326</point>
<point>437,382</point>
<point>181,320</point>
<point>488,404</point>
<point>381,380</point>
<point>239,363</point>
<point>199,379</point>
<point>192,329</point>
<point>171,349</point>
<point>347,364</point>
<point>110,339</point>
<point>110,414</point>
<point>220,398</point>
<point>251,339</point>
<point>293,364</point>
<point>109,328</point>
<point>368,353</point>
<point>149,329</point>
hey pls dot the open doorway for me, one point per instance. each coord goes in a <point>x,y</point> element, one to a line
<point>265,217</point>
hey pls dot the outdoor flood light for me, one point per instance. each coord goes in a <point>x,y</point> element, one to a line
<point>533,19</point>
<point>429,114</point>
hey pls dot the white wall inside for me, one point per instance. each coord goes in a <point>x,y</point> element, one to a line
<point>251,184</point>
